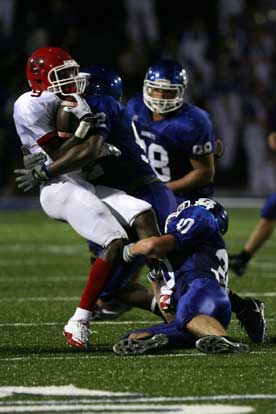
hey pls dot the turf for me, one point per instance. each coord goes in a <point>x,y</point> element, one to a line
<point>43,268</point>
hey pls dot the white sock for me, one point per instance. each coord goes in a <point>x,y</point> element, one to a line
<point>81,315</point>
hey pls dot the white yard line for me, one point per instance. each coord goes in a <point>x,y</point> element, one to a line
<point>131,408</point>
<point>62,323</point>
<point>38,278</point>
<point>42,299</point>
<point>80,277</point>
<point>73,298</point>
<point>262,294</point>
<point>42,248</point>
<point>122,400</point>
<point>79,356</point>
<point>28,262</point>
<point>241,202</point>
<point>116,322</point>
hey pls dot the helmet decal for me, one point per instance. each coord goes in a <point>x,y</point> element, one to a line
<point>37,64</point>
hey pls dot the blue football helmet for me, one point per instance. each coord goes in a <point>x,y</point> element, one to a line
<point>213,206</point>
<point>102,80</point>
<point>169,76</point>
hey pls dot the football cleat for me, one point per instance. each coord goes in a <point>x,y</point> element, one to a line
<point>213,344</point>
<point>77,334</point>
<point>109,311</point>
<point>103,314</point>
<point>140,346</point>
<point>252,319</point>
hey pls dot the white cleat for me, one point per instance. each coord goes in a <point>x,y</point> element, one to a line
<point>77,334</point>
<point>213,344</point>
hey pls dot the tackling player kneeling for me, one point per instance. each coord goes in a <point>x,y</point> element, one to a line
<point>192,283</point>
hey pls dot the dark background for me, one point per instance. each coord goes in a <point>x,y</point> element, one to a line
<point>227,47</point>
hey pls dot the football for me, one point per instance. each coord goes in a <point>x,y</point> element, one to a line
<point>66,121</point>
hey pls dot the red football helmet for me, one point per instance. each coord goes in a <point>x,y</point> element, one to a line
<point>53,69</point>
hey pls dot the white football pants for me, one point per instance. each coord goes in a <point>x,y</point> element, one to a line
<point>85,207</point>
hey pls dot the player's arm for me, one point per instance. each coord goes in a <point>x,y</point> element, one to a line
<point>77,156</point>
<point>153,247</point>
<point>75,123</point>
<point>203,173</point>
<point>87,151</point>
<point>271,139</point>
<point>219,149</point>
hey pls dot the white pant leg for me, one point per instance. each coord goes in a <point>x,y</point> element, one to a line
<point>75,202</point>
<point>125,207</point>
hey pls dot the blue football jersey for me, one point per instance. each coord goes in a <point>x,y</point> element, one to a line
<point>169,143</point>
<point>131,168</point>
<point>201,250</point>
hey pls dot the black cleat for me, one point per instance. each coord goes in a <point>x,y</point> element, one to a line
<point>252,319</point>
<point>110,311</point>
<point>213,344</point>
<point>140,346</point>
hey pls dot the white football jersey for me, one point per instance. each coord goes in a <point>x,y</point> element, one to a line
<point>34,118</point>
<point>70,197</point>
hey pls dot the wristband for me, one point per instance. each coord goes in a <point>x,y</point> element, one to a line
<point>127,256</point>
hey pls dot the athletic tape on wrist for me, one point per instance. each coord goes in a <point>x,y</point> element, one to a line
<point>153,303</point>
<point>127,256</point>
<point>82,129</point>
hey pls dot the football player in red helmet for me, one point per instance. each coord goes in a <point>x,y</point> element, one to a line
<point>53,69</point>
<point>64,192</point>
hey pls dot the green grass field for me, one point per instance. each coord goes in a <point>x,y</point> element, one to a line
<point>43,268</point>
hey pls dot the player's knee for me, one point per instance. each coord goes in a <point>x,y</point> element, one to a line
<point>113,252</point>
<point>146,224</point>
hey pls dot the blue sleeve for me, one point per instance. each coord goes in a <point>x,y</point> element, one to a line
<point>106,110</point>
<point>132,104</point>
<point>268,210</point>
<point>125,121</point>
<point>196,137</point>
<point>192,227</point>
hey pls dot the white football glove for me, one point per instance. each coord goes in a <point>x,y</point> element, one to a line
<point>32,160</point>
<point>28,179</point>
<point>81,110</point>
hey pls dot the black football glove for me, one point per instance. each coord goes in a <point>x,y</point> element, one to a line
<point>238,262</point>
